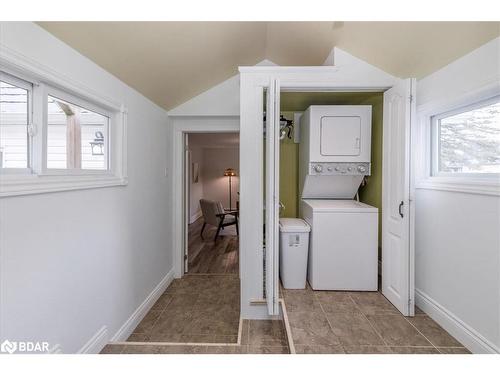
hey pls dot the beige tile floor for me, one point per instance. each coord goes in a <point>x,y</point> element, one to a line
<point>200,314</point>
<point>257,337</point>
<point>194,309</point>
<point>362,323</point>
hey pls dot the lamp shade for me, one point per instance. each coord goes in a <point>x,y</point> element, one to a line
<point>230,172</point>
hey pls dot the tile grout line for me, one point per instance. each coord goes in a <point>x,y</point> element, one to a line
<point>370,323</point>
<point>425,337</point>
<point>328,320</point>
<point>159,315</point>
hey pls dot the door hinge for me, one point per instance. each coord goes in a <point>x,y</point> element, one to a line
<point>410,98</point>
<point>185,256</point>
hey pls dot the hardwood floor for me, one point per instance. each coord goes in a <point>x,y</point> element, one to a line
<point>207,256</point>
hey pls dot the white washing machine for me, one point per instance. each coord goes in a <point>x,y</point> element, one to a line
<point>334,154</point>
<point>343,245</point>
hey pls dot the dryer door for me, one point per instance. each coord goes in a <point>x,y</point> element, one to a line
<point>340,136</point>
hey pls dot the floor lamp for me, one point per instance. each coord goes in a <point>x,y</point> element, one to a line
<point>229,172</point>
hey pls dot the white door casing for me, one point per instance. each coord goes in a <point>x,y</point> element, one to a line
<point>397,254</point>
<point>272,196</point>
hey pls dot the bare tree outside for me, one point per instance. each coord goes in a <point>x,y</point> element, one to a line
<point>469,142</point>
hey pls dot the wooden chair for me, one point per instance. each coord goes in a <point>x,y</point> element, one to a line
<point>214,214</point>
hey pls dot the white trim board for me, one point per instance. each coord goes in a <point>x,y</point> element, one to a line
<point>133,321</point>
<point>469,337</point>
<point>96,342</point>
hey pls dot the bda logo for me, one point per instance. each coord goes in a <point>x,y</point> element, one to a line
<point>8,347</point>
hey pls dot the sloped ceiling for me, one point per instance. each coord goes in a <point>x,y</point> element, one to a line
<point>171,62</point>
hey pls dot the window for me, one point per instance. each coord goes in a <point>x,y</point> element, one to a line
<point>15,118</point>
<point>57,134</point>
<point>467,141</point>
<point>76,137</point>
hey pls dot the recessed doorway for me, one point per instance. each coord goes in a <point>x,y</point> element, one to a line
<point>212,203</point>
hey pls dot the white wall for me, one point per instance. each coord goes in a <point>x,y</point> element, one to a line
<point>75,262</point>
<point>215,185</point>
<point>457,234</point>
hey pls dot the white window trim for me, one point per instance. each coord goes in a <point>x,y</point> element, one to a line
<point>28,86</point>
<point>475,183</point>
<point>39,180</point>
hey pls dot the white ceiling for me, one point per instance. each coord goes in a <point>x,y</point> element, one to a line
<point>171,62</point>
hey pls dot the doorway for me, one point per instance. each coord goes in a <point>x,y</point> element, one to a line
<point>211,181</point>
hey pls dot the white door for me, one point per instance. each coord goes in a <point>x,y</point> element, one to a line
<point>397,255</point>
<point>272,196</point>
<point>187,183</point>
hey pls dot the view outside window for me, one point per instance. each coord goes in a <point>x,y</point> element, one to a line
<point>14,120</point>
<point>469,142</point>
<point>76,137</point>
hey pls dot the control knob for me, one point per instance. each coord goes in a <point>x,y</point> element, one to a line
<point>361,168</point>
<point>318,168</point>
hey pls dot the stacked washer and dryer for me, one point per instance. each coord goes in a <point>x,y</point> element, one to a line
<point>334,158</point>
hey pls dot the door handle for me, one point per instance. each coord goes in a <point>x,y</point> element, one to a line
<point>399,209</point>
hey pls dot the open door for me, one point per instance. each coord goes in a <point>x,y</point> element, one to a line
<point>187,184</point>
<point>397,254</point>
<point>272,161</point>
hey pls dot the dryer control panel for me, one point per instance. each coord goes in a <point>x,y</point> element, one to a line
<point>339,169</point>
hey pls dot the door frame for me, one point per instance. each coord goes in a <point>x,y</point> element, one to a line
<point>253,82</point>
<point>180,125</point>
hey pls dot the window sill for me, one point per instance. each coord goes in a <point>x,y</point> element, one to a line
<point>14,185</point>
<point>480,186</point>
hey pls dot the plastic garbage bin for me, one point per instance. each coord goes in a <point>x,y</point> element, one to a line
<point>294,248</point>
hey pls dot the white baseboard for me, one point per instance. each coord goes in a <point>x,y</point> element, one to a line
<point>96,342</point>
<point>128,327</point>
<point>195,217</point>
<point>469,337</point>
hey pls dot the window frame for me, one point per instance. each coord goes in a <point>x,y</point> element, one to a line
<point>435,133</point>
<point>29,87</point>
<point>37,179</point>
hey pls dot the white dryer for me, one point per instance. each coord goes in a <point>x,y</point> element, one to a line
<point>334,152</point>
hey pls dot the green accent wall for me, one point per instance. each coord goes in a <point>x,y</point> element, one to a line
<point>292,102</point>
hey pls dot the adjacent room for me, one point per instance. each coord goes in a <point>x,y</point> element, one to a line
<point>213,191</point>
